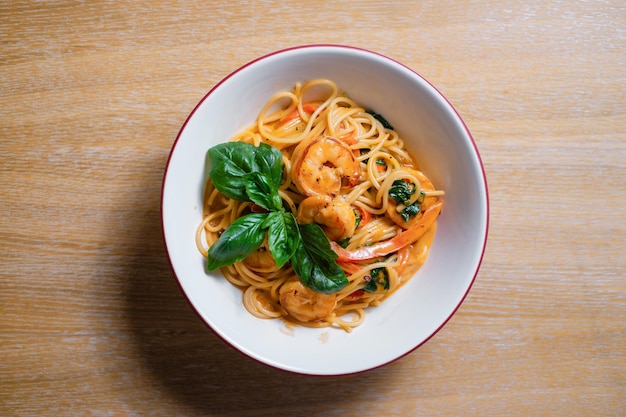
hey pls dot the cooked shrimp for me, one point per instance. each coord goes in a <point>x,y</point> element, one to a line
<point>407,237</point>
<point>325,165</point>
<point>336,217</point>
<point>305,304</point>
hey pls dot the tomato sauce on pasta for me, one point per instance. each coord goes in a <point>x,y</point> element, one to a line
<point>345,169</point>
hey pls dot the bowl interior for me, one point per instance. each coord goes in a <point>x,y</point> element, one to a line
<point>444,149</point>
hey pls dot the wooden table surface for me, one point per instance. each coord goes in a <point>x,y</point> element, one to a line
<point>92,321</point>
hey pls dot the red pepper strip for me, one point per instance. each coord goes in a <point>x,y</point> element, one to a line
<point>398,242</point>
<point>308,108</point>
<point>355,295</point>
<point>350,139</point>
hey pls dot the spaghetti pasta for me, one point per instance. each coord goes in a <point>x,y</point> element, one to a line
<point>342,168</point>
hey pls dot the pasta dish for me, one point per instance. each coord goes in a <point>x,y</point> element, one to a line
<point>317,211</point>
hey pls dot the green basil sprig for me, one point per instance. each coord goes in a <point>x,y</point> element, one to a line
<point>245,172</point>
<point>314,261</point>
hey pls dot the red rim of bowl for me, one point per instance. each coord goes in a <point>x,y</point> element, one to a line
<point>332,46</point>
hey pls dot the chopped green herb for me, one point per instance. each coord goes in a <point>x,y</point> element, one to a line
<point>401,191</point>
<point>410,211</point>
<point>379,280</point>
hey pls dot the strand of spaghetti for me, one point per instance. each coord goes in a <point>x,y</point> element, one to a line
<point>349,325</point>
<point>199,242</point>
<point>429,193</point>
<point>367,119</point>
<point>373,170</point>
<point>337,114</point>
<point>231,275</point>
<point>367,201</point>
<point>374,144</point>
<point>400,241</point>
<point>278,114</point>
<point>259,304</point>
<point>357,192</point>
<point>377,230</point>
<point>212,195</point>
<point>251,277</point>
<point>286,197</point>
<point>247,136</point>
<point>267,132</point>
<point>208,228</point>
<point>222,224</point>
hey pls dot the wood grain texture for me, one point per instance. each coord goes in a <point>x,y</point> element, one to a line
<point>93,95</point>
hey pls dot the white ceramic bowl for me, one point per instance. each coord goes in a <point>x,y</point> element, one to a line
<point>447,153</point>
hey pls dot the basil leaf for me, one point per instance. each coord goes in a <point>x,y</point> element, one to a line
<point>261,191</point>
<point>314,261</point>
<point>269,161</point>
<point>283,236</point>
<point>240,239</point>
<point>228,165</point>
